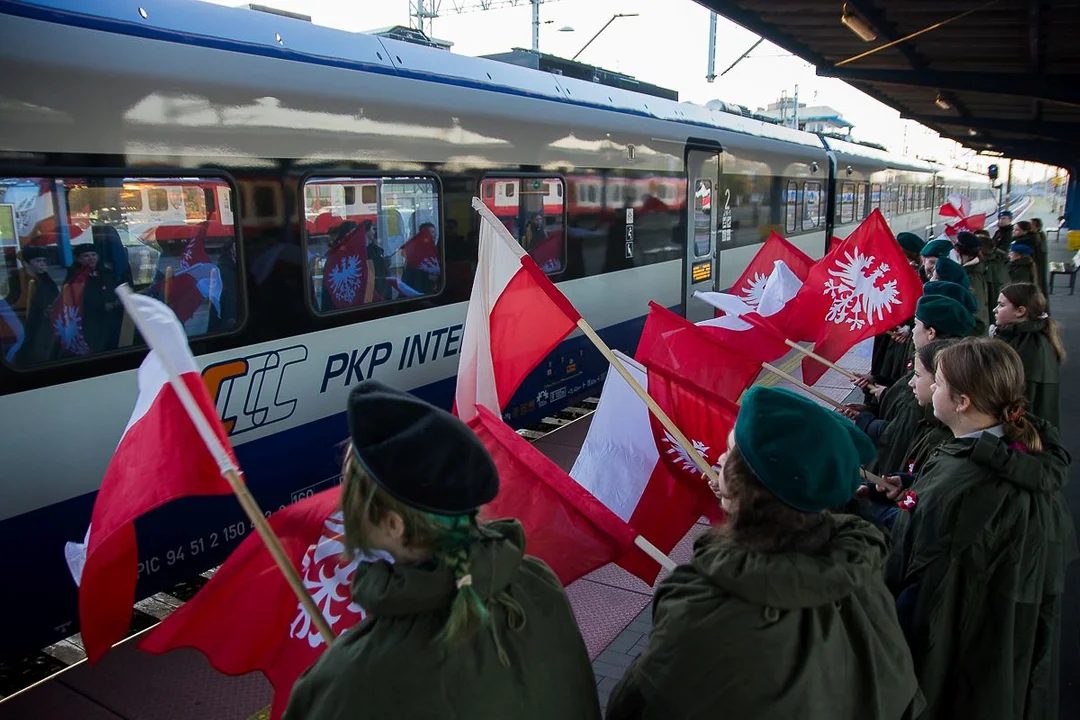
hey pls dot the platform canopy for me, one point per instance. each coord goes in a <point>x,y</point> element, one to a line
<point>1005,77</point>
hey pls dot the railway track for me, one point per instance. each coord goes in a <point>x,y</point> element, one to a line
<point>18,676</point>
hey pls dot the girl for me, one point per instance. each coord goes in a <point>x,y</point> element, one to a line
<point>1022,322</point>
<point>462,624</point>
<point>782,613</point>
<point>978,561</point>
<point>1021,263</point>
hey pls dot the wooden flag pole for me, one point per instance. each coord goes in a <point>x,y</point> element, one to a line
<point>827,363</point>
<point>231,473</point>
<point>655,409</point>
<point>168,284</point>
<point>799,383</point>
<point>655,553</point>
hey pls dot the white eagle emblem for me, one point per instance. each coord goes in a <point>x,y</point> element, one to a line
<point>681,458</point>
<point>754,289</point>
<point>856,297</point>
<point>327,577</point>
<point>345,278</point>
<point>68,328</point>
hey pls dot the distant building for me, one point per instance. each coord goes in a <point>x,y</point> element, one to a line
<point>816,119</point>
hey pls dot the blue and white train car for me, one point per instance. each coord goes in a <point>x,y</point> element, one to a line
<point>168,133</point>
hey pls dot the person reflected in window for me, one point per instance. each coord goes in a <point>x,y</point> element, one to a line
<point>534,232</point>
<point>377,258</point>
<point>91,312</point>
<point>423,269</point>
<point>38,295</point>
<point>230,278</point>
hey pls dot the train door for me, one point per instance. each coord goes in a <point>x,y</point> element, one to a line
<point>705,205</point>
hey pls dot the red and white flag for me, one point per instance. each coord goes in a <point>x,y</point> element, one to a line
<point>421,252</point>
<point>248,618</point>
<point>516,317</point>
<point>565,526</point>
<point>959,207</point>
<point>620,466</point>
<point>348,274</point>
<point>862,288</point>
<point>66,315</point>
<point>751,284</point>
<point>161,457</point>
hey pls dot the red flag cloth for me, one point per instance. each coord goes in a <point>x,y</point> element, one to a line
<point>548,254</point>
<point>565,525</point>
<point>247,617</point>
<point>66,315</point>
<point>348,274</point>
<point>421,252</point>
<point>195,252</point>
<point>516,317</point>
<point>862,288</point>
<point>751,283</point>
<point>161,457</point>
<point>697,382</point>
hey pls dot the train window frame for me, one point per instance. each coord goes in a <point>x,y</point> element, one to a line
<point>183,174</point>
<point>849,216</point>
<point>862,201</point>
<point>309,280</point>
<point>791,206</point>
<point>504,175</point>
<point>875,204</point>
<point>817,210</point>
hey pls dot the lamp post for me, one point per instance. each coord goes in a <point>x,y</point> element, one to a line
<point>613,19</point>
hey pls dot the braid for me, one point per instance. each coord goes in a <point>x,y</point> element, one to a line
<point>467,612</point>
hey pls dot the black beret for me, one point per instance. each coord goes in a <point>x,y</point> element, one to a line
<point>968,243</point>
<point>77,250</point>
<point>419,454</point>
<point>32,252</point>
<point>911,242</point>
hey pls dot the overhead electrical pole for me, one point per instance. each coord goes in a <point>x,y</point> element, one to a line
<point>422,13</point>
<point>710,74</point>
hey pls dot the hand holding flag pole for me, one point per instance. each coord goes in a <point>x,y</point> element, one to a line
<point>588,331</point>
<point>229,470</point>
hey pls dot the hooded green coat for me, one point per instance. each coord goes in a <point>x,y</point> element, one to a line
<point>1023,270</point>
<point>979,571</point>
<point>740,634</point>
<point>1041,366</point>
<point>980,288</point>
<point>392,665</point>
<point>997,273</point>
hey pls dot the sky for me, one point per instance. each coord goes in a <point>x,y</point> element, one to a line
<point>666,44</point>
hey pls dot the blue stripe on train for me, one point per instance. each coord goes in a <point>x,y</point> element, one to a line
<point>191,535</point>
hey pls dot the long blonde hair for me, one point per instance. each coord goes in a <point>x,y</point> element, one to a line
<point>991,374</point>
<point>1026,295</point>
<point>449,538</point>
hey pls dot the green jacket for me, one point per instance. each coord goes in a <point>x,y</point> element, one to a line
<point>997,272</point>
<point>980,288</point>
<point>1041,366</point>
<point>741,635</point>
<point>392,665</point>
<point>930,433</point>
<point>978,568</point>
<point>1022,270</point>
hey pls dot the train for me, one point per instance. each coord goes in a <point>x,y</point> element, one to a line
<point>168,133</point>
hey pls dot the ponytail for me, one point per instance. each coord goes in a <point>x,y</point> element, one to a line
<point>1027,295</point>
<point>1018,427</point>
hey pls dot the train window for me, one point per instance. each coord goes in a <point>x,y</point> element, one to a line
<point>368,253</point>
<point>875,197</point>
<point>811,205</point>
<point>860,201</point>
<point>847,202</point>
<point>532,209</point>
<point>73,240</point>
<point>791,209</point>
<point>350,195</point>
<point>703,198</point>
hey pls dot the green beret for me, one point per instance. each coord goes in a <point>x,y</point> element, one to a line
<point>948,317</point>
<point>949,270</point>
<point>911,242</point>
<point>958,293</point>
<point>936,248</point>
<point>806,456</point>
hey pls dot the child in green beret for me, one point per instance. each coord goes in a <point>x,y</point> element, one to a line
<point>977,560</point>
<point>783,594</point>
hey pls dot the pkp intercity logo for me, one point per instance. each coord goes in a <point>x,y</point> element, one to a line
<point>248,391</point>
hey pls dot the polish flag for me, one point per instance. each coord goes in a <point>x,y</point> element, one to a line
<point>565,526</point>
<point>516,317</point>
<point>620,466</point>
<point>751,284</point>
<point>247,617</point>
<point>161,457</point>
<point>959,207</point>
